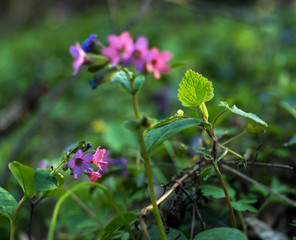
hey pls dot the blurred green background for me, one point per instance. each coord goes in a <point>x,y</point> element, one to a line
<point>246,48</point>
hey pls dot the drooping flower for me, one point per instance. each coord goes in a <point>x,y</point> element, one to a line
<point>79,57</point>
<point>88,43</point>
<point>93,176</point>
<point>81,163</point>
<point>157,62</point>
<point>140,49</point>
<point>120,48</point>
<point>99,158</point>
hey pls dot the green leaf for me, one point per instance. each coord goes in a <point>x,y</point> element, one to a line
<point>8,204</point>
<point>221,233</point>
<point>171,233</point>
<point>289,108</point>
<point>244,205</point>
<point>237,111</point>
<point>195,89</point>
<point>216,192</point>
<point>253,128</point>
<point>291,142</point>
<point>103,76</point>
<point>222,155</point>
<point>166,129</point>
<point>25,177</point>
<point>44,181</point>
<point>206,172</point>
<point>115,224</point>
<point>132,124</point>
<point>122,79</point>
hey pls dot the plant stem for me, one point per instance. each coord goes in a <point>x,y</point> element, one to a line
<point>233,221</point>
<point>147,165</point>
<point>13,221</point>
<point>235,137</point>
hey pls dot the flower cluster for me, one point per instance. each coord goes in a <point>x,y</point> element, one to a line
<point>81,163</point>
<point>122,50</point>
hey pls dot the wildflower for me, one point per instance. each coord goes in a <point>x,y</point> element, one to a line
<point>80,163</point>
<point>79,57</point>
<point>93,176</point>
<point>157,62</point>
<point>43,164</point>
<point>140,48</point>
<point>88,43</point>
<point>120,48</point>
<point>99,158</point>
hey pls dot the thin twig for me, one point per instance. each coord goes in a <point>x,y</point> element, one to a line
<point>194,205</point>
<point>172,189</point>
<point>275,165</point>
<point>144,229</point>
<point>243,176</point>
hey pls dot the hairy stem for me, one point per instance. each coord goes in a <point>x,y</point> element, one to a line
<point>233,221</point>
<point>13,221</point>
<point>147,165</point>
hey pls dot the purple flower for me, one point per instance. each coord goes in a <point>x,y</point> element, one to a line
<point>80,163</point>
<point>79,57</point>
<point>120,48</point>
<point>140,49</point>
<point>43,164</point>
<point>99,158</point>
<point>88,43</point>
<point>157,62</point>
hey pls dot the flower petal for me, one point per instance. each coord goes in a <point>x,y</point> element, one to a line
<point>77,172</point>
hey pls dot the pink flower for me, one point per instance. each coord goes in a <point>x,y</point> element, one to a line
<point>93,176</point>
<point>79,57</point>
<point>120,48</point>
<point>81,163</point>
<point>157,62</point>
<point>140,49</point>
<point>98,158</point>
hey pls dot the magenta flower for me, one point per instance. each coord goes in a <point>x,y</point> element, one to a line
<point>140,49</point>
<point>120,48</point>
<point>93,176</point>
<point>99,158</point>
<point>79,57</point>
<point>157,62</point>
<point>80,163</point>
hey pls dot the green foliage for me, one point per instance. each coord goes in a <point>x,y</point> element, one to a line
<point>44,181</point>
<point>240,112</point>
<point>7,204</point>
<point>216,192</point>
<point>253,128</point>
<point>221,233</point>
<point>168,128</point>
<point>195,89</point>
<point>115,224</point>
<point>244,205</point>
<point>25,177</point>
<point>171,234</point>
<point>123,80</point>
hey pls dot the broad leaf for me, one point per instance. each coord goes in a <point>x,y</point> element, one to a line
<point>240,112</point>
<point>44,181</point>
<point>195,89</point>
<point>244,205</point>
<point>216,192</point>
<point>115,224</point>
<point>221,233</point>
<point>25,177</point>
<point>123,80</point>
<point>164,130</point>
<point>7,204</point>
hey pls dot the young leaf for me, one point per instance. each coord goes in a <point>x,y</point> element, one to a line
<point>25,177</point>
<point>216,192</point>
<point>195,89</point>
<point>44,181</point>
<point>7,204</point>
<point>163,131</point>
<point>244,205</point>
<point>123,80</point>
<point>237,111</point>
<point>221,233</point>
<point>253,128</point>
<point>115,224</point>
